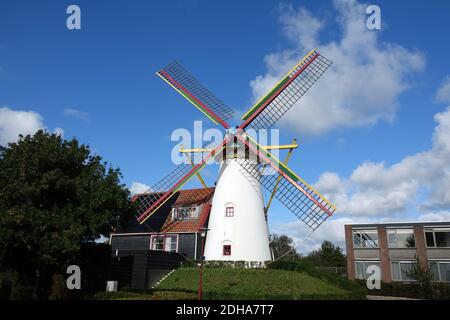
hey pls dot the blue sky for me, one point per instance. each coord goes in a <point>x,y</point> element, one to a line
<point>99,84</point>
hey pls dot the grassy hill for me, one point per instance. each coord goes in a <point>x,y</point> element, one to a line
<point>282,280</point>
<point>228,283</point>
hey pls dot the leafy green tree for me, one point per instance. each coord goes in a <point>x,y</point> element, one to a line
<point>54,195</point>
<point>281,244</point>
<point>329,255</point>
<point>421,272</point>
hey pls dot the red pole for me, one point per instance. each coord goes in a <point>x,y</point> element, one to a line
<point>200,285</point>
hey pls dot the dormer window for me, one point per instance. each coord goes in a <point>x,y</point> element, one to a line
<point>184,213</point>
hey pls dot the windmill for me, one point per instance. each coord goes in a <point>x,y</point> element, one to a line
<point>237,223</point>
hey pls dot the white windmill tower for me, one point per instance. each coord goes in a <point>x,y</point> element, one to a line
<point>237,204</point>
<point>237,223</point>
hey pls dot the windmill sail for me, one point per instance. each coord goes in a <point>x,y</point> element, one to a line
<point>191,89</point>
<point>292,191</point>
<point>286,93</point>
<point>158,194</point>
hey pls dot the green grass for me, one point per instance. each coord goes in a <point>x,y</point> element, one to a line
<point>229,283</point>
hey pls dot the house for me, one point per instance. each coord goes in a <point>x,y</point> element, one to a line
<point>175,227</point>
<point>393,247</point>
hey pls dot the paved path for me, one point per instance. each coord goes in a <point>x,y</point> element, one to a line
<point>387,298</point>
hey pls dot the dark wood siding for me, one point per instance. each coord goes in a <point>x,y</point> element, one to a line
<point>141,269</point>
<point>186,245</point>
<point>137,242</point>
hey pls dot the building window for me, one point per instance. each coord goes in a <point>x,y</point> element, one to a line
<point>361,268</point>
<point>365,238</point>
<point>229,211</point>
<point>158,243</point>
<point>437,238</point>
<point>401,238</point>
<point>440,270</point>
<point>184,213</point>
<point>165,243</point>
<point>401,270</point>
<point>227,250</point>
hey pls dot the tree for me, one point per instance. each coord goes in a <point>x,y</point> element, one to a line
<point>329,255</point>
<point>54,195</point>
<point>421,272</point>
<point>281,244</point>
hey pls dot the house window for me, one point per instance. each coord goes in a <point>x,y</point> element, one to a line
<point>165,243</point>
<point>184,213</point>
<point>365,238</point>
<point>401,270</point>
<point>361,268</point>
<point>158,243</point>
<point>440,270</point>
<point>229,211</point>
<point>438,238</point>
<point>227,250</point>
<point>401,238</point>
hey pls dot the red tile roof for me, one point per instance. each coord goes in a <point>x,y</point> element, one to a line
<point>182,198</point>
<point>194,196</point>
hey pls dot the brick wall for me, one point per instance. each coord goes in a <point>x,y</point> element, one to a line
<point>351,274</point>
<point>385,260</point>
<point>421,247</point>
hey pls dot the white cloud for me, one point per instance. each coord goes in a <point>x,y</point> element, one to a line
<point>71,112</point>
<point>376,192</point>
<point>332,230</point>
<point>137,187</point>
<point>443,93</point>
<point>59,131</point>
<point>435,216</point>
<point>15,122</point>
<point>379,190</point>
<point>364,83</point>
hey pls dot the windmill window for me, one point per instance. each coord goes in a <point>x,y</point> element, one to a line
<point>227,250</point>
<point>229,211</point>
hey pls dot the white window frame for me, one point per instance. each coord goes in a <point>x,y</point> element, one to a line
<point>226,211</point>
<point>438,262</point>
<point>166,235</point>
<point>365,269</point>
<point>359,231</point>
<point>433,231</point>
<point>175,215</point>
<point>390,230</point>
<point>400,270</point>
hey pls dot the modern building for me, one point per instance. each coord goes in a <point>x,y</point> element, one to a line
<point>394,247</point>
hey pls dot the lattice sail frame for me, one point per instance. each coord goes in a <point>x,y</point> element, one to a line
<point>159,193</point>
<point>286,93</point>
<point>191,89</point>
<point>293,192</point>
